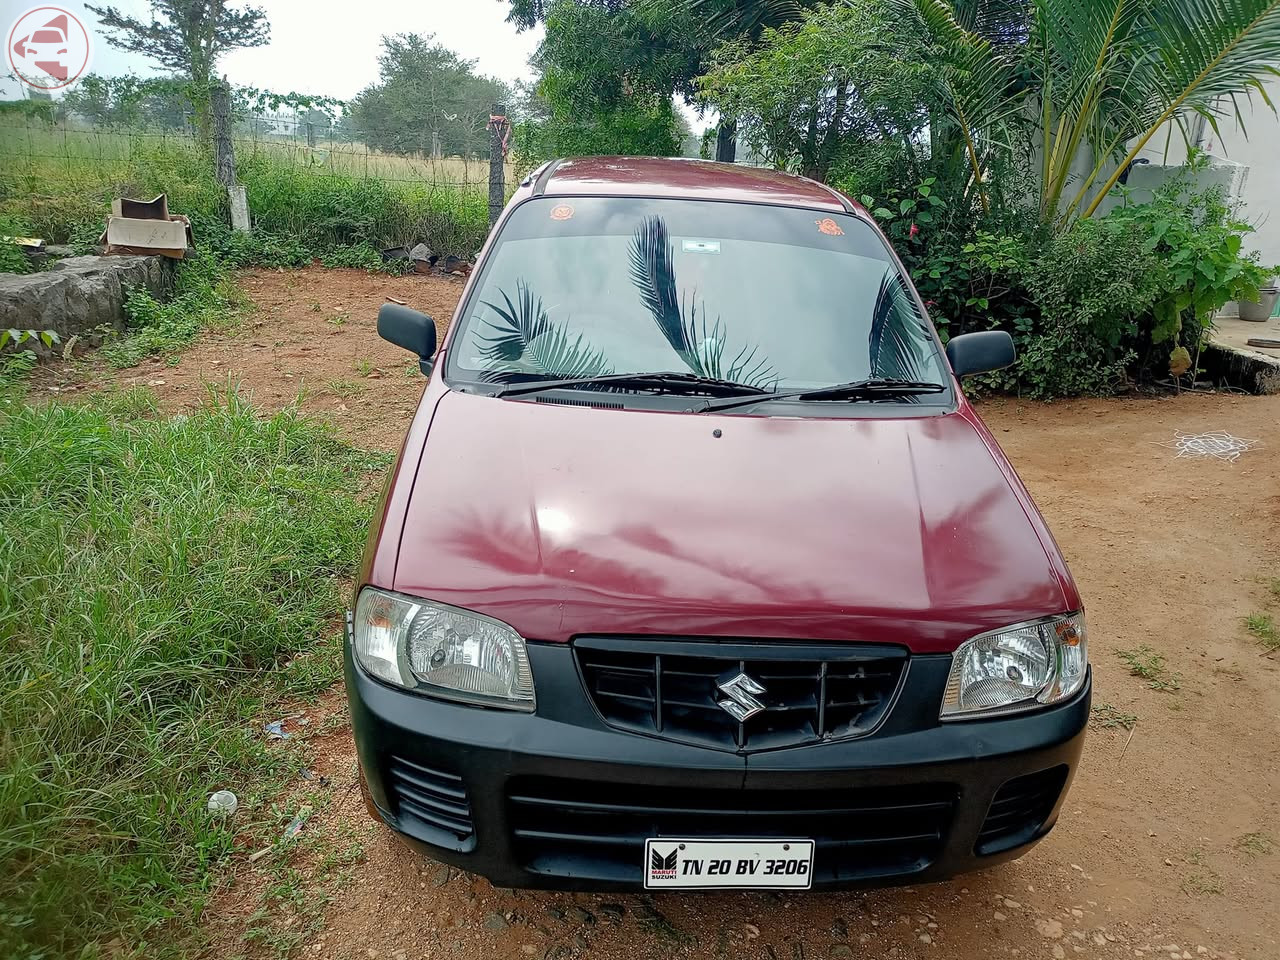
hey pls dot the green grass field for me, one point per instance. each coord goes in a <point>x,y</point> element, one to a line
<point>163,583</point>
<point>57,181</point>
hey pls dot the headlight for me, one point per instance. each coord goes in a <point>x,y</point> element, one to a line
<point>441,650</point>
<point>1017,668</point>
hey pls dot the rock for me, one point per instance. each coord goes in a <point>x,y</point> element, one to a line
<point>998,915</point>
<point>1012,904</point>
<point>528,949</point>
<point>555,913</point>
<point>1049,928</point>
<point>421,252</point>
<point>581,915</point>
<point>580,942</point>
<point>841,950</point>
<point>840,928</point>
<point>440,874</point>
<point>1058,952</point>
<point>925,938</point>
<point>495,921</point>
<point>79,297</point>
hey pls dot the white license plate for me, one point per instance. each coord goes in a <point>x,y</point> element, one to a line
<point>674,864</point>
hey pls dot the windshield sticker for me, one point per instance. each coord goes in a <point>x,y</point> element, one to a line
<point>700,246</point>
<point>829,227</point>
<point>562,212</point>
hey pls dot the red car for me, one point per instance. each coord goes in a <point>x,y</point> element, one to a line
<point>697,569</point>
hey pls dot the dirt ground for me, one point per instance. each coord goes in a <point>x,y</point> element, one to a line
<point>1167,846</point>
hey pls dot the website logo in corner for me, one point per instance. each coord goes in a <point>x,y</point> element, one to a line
<point>48,48</point>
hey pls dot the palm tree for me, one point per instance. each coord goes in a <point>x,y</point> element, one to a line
<point>1105,76</point>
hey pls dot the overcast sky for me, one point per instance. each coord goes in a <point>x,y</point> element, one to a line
<point>327,49</point>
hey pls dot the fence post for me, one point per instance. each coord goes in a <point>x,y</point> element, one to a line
<point>497,162</point>
<point>311,135</point>
<point>224,154</point>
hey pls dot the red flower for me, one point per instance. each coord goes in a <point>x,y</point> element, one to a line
<point>913,232</point>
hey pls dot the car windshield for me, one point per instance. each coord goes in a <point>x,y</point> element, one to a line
<point>771,297</point>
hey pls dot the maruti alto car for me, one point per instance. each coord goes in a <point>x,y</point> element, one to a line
<point>696,568</point>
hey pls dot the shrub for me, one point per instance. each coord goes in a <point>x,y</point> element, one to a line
<point>153,573</point>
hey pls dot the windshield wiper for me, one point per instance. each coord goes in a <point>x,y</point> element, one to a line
<point>873,389</point>
<point>682,382</point>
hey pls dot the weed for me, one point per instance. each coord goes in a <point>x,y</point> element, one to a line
<point>346,389</point>
<point>1144,662</point>
<point>315,306</point>
<point>338,319</point>
<point>364,366</point>
<point>1263,628</point>
<point>1202,883</point>
<point>1109,717</point>
<point>155,573</point>
<point>1255,844</point>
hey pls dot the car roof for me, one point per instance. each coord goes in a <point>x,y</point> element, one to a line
<point>682,177</point>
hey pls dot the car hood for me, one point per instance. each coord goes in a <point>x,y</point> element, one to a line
<point>566,520</point>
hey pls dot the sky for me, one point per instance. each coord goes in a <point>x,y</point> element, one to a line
<point>325,49</point>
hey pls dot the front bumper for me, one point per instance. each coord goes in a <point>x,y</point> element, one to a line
<point>559,800</point>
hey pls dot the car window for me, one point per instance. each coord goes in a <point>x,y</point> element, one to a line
<point>775,297</point>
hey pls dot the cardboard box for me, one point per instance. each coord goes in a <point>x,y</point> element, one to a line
<point>165,237</point>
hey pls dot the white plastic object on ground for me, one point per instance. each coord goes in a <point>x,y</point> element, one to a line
<point>224,802</point>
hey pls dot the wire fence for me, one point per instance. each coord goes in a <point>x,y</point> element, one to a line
<point>408,155</point>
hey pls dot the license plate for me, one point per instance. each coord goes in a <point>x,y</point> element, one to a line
<point>674,864</point>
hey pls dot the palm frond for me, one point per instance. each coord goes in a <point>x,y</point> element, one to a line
<point>894,351</point>
<point>523,333</point>
<point>653,274</point>
<point>975,80</point>
<point>701,346</point>
<point>1197,51</point>
<point>733,19</point>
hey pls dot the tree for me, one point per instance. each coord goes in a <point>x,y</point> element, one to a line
<point>1101,78</point>
<point>187,36</point>
<point>595,50</point>
<point>845,79</point>
<point>427,94</point>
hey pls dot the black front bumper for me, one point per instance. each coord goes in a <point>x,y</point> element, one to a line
<point>557,799</point>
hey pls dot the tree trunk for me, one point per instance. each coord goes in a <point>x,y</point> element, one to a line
<point>727,141</point>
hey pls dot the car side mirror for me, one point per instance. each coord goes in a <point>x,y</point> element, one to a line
<point>983,352</point>
<point>414,331</point>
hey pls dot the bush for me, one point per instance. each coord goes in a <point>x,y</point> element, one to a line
<point>153,573</point>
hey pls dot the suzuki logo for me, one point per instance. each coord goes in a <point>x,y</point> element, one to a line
<point>740,693</point>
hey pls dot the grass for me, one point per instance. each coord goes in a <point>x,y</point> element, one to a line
<point>1255,844</point>
<point>1262,627</point>
<point>155,577</point>
<point>58,181</point>
<point>1144,662</point>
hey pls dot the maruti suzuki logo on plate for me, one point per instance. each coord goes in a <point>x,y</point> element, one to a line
<point>661,867</point>
<point>740,697</point>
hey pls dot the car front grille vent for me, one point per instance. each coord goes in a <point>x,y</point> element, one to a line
<point>598,404</point>
<point>436,798</point>
<point>1019,810</point>
<point>676,690</point>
